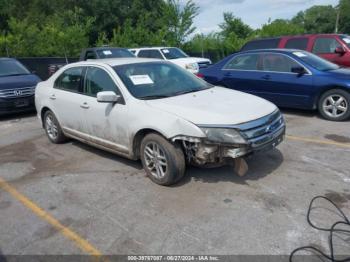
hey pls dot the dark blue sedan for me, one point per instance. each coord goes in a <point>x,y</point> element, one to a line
<point>288,78</point>
<point>17,87</point>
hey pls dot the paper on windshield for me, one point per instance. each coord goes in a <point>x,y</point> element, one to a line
<point>299,54</point>
<point>346,40</point>
<point>141,80</point>
<point>107,52</point>
<point>165,51</point>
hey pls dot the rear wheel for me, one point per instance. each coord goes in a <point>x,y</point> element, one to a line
<point>334,105</point>
<point>163,162</point>
<point>53,128</point>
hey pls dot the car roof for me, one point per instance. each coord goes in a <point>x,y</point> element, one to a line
<point>6,58</point>
<point>152,47</point>
<point>103,48</point>
<point>276,50</point>
<point>117,61</point>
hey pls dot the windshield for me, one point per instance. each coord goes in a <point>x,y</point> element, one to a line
<point>12,68</point>
<point>173,53</point>
<point>315,61</point>
<point>114,53</point>
<point>346,39</point>
<point>154,80</point>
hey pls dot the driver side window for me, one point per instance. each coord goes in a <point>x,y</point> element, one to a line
<point>98,80</point>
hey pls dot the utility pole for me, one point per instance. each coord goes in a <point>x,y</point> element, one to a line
<point>337,19</point>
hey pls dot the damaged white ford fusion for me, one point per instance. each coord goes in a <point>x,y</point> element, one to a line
<point>157,112</point>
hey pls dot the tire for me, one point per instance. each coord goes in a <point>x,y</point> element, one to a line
<point>53,129</point>
<point>334,105</point>
<point>171,155</point>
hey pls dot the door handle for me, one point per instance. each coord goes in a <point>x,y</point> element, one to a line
<point>266,77</point>
<point>53,97</point>
<point>84,105</point>
<point>228,74</point>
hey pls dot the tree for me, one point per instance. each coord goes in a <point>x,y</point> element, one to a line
<point>179,20</point>
<point>280,27</point>
<point>317,19</point>
<point>234,25</point>
<point>344,16</point>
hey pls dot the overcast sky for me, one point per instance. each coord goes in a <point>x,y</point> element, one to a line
<point>253,12</point>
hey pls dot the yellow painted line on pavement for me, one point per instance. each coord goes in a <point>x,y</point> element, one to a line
<point>317,141</point>
<point>68,233</point>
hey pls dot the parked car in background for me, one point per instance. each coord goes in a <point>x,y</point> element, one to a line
<point>104,52</point>
<point>174,55</point>
<point>17,87</point>
<point>288,78</point>
<point>332,47</point>
<point>154,111</point>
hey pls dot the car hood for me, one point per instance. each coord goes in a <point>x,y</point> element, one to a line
<point>11,82</point>
<point>215,106</point>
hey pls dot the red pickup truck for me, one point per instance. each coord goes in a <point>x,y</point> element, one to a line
<point>333,47</point>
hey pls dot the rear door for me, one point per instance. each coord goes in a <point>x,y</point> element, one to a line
<point>242,73</point>
<point>66,100</point>
<point>106,122</point>
<point>280,85</point>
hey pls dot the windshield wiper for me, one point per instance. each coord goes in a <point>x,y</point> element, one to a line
<point>153,97</point>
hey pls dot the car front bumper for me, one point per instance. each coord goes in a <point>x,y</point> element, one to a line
<point>16,105</point>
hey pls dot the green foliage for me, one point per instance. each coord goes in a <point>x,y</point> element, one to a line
<point>64,27</point>
<point>62,35</point>
<point>280,27</point>
<point>234,27</point>
<point>179,20</point>
<point>317,19</point>
<point>344,16</point>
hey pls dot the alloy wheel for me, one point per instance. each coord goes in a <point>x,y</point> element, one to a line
<point>155,160</point>
<point>51,127</point>
<point>335,105</point>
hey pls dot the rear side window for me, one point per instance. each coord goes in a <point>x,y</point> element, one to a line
<point>243,62</point>
<point>261,44</point>
<point>97,80</point>
<point>70,79</point>
<point>143,53</point>
<point>90,55</point>
<point>297,43</point>
<point>325,45</point>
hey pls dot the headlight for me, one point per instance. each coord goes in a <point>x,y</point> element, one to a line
<point>192,66</point>
<point>223,135</point>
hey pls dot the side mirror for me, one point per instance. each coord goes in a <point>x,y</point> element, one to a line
<point>107,97</point>
<point>299,70</point>
<point>340,50</point>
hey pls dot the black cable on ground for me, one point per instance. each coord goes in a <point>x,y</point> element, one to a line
<point>332,230</point>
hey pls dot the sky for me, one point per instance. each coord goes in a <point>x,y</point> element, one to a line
<point>253,12</point>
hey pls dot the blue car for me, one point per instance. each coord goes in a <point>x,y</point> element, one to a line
<point>17,87</point>
<point>288,78</point>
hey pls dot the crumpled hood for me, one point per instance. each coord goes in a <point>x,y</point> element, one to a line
<point>12,82</point>
<point>215,106</point>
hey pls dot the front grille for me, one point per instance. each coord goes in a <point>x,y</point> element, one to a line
<point>263,130</point>
<point>18,92</point>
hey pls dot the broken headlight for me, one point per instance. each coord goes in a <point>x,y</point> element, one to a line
<point>223,135</point>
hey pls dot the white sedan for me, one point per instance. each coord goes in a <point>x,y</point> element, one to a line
<point>157,112</point>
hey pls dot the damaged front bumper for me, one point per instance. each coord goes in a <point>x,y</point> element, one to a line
<point>260,135</point>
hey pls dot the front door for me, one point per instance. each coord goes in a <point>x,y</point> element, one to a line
<point>283,87</point>
<point>106,122</point>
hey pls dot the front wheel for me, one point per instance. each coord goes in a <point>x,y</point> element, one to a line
<point>163,162</point>
<point>334,105</point>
